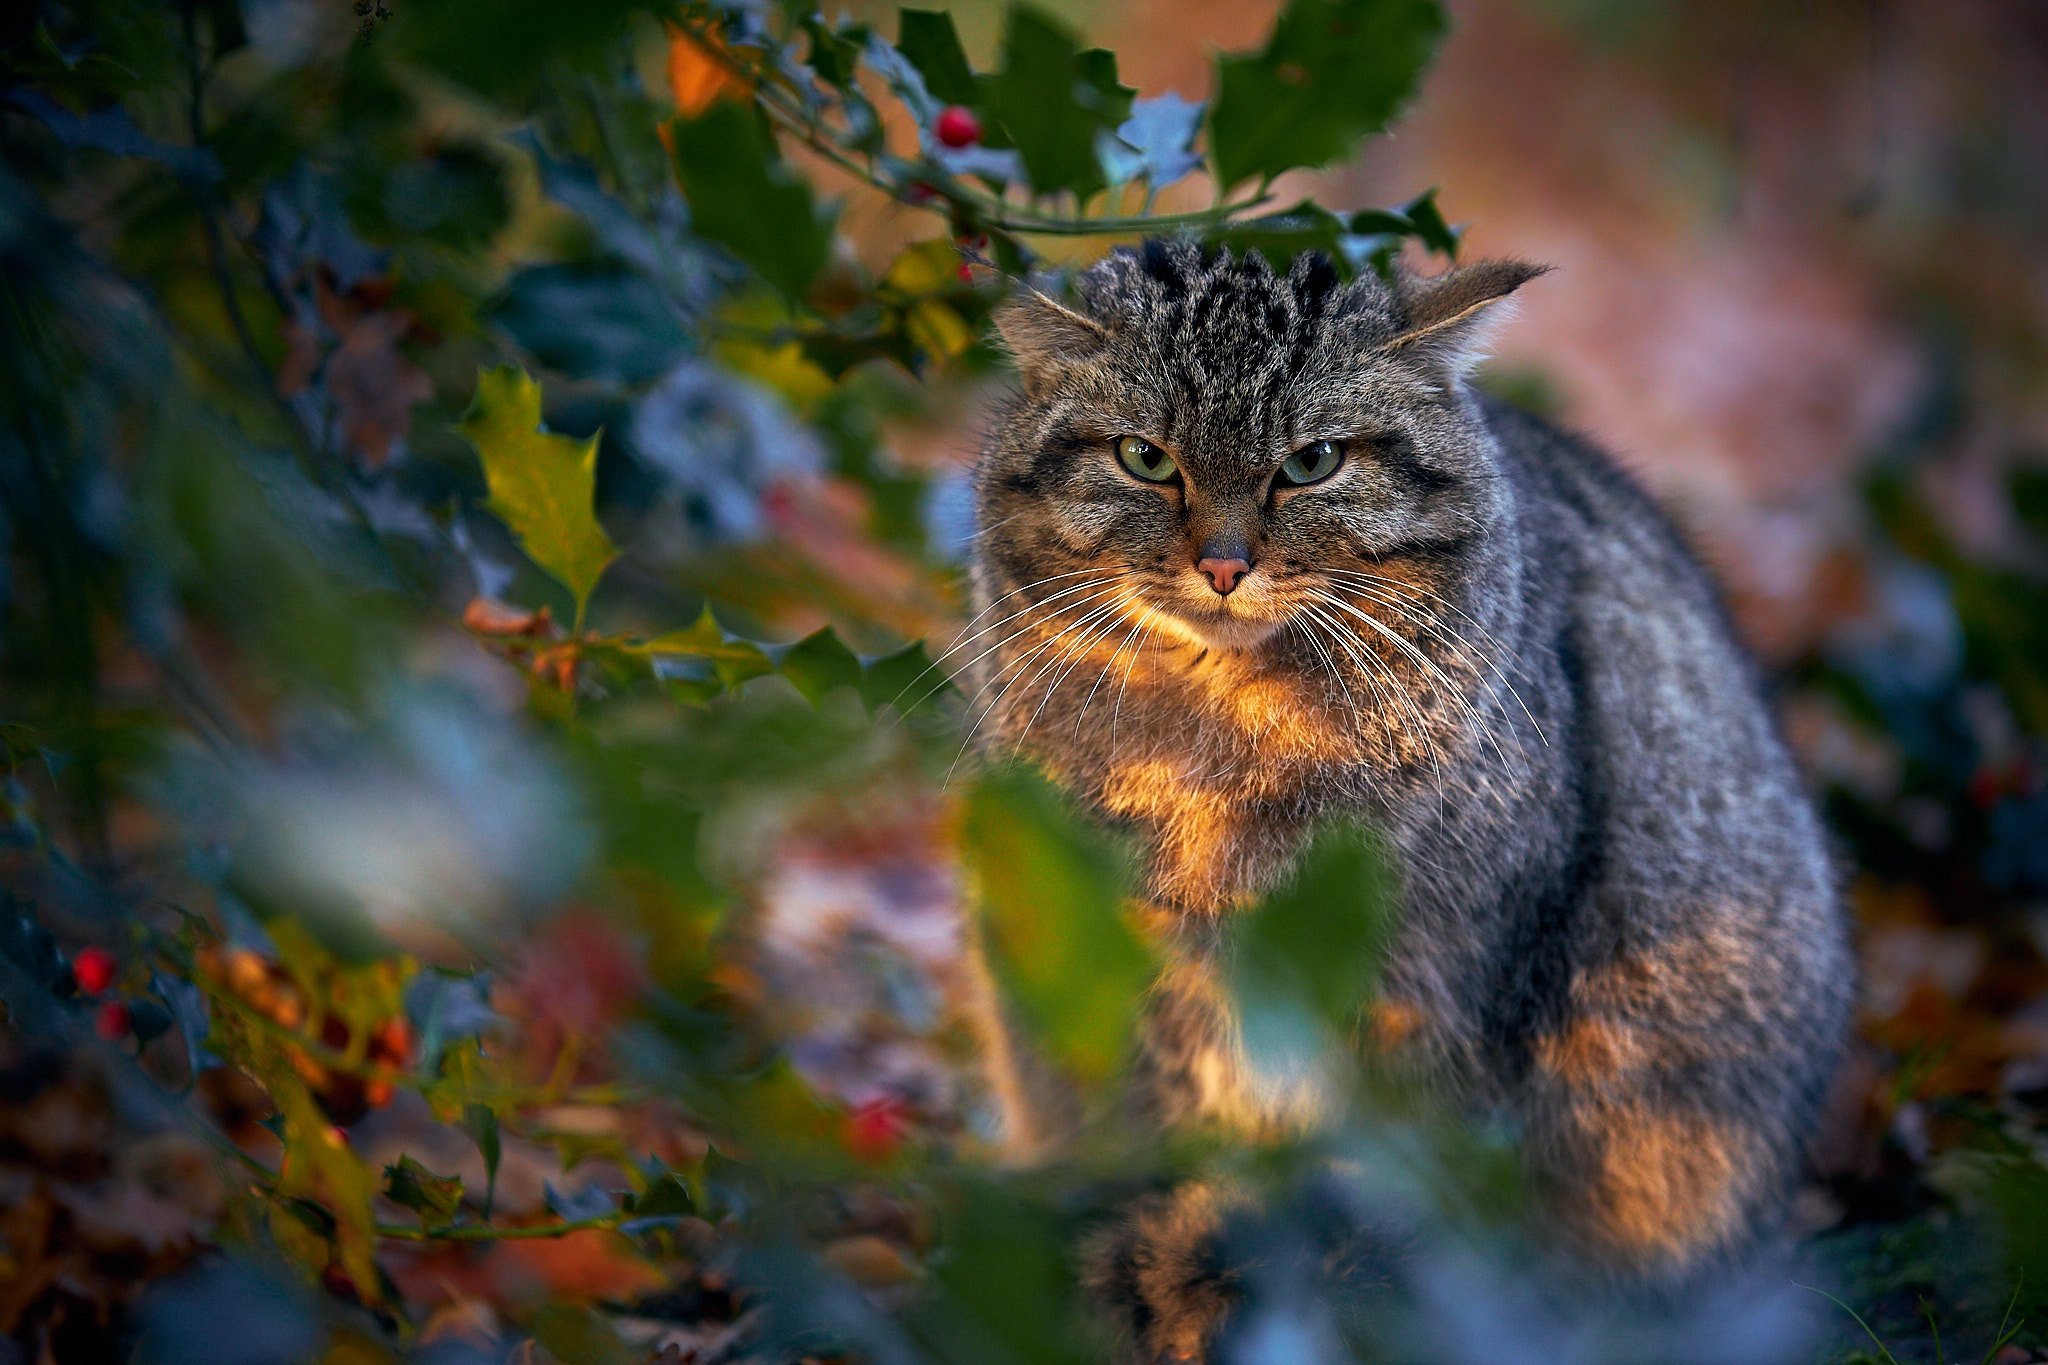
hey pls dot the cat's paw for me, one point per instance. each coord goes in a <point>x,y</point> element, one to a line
<point>1161,1272</point>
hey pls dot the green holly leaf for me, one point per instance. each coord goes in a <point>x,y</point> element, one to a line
<point>818,664</point>
<point>1052,900</point>
<point>1332,72</point>
<point>541,485</point>
<point>1315,942</point>
<point>747,199</point>
<point>435,1198</point>
<point>1280,237</point>
<point>731,660</point>
<point>1054,102</point>
<point>901,679</point>
<point>480,1121</point>
<point>927,38</point>
<point>835,51</point>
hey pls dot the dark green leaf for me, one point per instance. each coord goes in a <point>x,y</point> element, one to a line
<point>1317,940</point>
<point>480,1121</point>
<point>1054,106</point>
<point>1427,223</point>
<point>1051,894</point>
<point>747,199</point>
<point>1332,71</point>
<point>835,52</point>
<point>819,664</point>
<point>666,1196</point>
<point>901,679</point>
<point>928,39</point>
<point>1280,237</point>
<point>435,1198</point>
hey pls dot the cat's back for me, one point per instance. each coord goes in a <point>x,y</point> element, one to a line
<point>1705,825</point>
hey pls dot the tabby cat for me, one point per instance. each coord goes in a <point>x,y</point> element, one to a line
<point>1260,559</point>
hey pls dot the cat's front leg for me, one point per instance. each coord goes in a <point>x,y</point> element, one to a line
<point>1160,1270</point>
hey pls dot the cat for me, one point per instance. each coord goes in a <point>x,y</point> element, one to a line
<point>1260,557</point>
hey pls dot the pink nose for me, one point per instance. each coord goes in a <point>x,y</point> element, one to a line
<point>1223,574</point>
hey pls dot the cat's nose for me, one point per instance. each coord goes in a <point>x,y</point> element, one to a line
<point>1223,574</point>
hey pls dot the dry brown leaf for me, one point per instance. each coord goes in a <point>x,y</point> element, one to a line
<point>699,74</point>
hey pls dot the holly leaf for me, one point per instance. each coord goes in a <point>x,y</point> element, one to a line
<point>1332,71</point>
<point>890,679</point>
<point>930,43</point>
<point>744,197</point>
<point>1280,237</point>
<point>1054,102</point>
<point>732,660</point>
<point>819,664</point>
<point>1051,896</point>
<point>1312,947</point>
<point>541,485</point>
<point>480,1121</point>
<point>435,1198</point>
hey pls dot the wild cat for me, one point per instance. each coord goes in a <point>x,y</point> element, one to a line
<point>1269,560</point>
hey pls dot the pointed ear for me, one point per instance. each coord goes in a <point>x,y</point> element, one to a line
<point>1044,335</point>
<point>1448,319</point>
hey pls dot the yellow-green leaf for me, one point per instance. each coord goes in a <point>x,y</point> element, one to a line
<point>541,485</point>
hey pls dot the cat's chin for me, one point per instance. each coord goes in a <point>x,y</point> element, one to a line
<point>1221,630</point>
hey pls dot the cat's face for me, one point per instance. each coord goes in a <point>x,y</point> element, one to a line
<point>1225,445</point>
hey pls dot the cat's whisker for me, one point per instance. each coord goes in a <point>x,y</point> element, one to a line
<point>1086,701</point>
<point>1500,650</point>
<point>1094,590</point>
<point>1369,667</point>
<point>1072,658</point>
<point>964,639</point>
<point>1329,662</point>
<point>1124,687</point>
<point>1091,608</point>
<point>1430,668</point>
<point>1458,644</point>
<point>1018,674</point>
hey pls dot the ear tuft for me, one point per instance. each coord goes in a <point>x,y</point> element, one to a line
<point>1447,319</point>
<point>1043,335</point>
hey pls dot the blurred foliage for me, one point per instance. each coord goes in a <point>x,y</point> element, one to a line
<point>461,616</point>
<point>466,722</point>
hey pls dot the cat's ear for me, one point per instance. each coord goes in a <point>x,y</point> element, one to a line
<point>1447,320</point>
<point>1043,335</point>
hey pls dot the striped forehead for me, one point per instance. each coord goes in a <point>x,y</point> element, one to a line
<point>1230,346</point>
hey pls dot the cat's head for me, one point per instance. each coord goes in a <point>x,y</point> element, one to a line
<point>1222,438</point>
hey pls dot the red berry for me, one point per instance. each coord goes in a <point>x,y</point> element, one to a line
<point>93,969</point>
<point>111,1020</point>
<point>876,1129</point>
<point>957,126</point>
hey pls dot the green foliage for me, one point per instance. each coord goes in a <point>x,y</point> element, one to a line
<point>435,1198</point>
<point>746,198</point>
<point>1054,102</point>
<point>1054,920</point>
<point>250,274</point>
<point>542,485</point>
<point>1316,942</point>
<point>1332,72</point>
<point>928,40</point>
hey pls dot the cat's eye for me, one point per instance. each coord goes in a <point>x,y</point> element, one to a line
<point>1145,460</point>
<point>1313,463</point>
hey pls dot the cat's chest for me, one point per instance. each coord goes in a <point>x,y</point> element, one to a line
<point>1221,799</point>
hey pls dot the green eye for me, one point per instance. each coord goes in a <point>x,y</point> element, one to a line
<point>1145,460</point>
<point>1312,463</point>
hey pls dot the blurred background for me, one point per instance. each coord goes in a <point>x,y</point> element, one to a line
<point>442,925</point>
